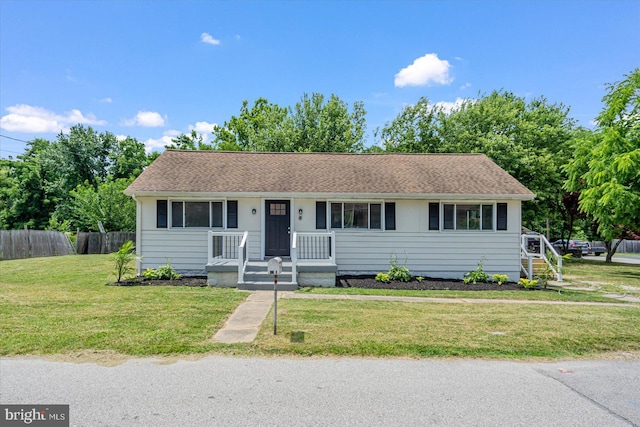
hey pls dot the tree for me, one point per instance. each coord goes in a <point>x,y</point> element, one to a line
<point>530,140</point>
<point>107,204</point>
<point>606,165</point>
<point>312,125</point>
<point>192,141</point>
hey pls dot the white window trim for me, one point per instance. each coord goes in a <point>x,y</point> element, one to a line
<point>369,202</point>
<point>471,202</point>
<point>209,227</point>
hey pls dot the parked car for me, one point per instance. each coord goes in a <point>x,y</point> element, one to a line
<point>576,248</point>
<point>532,243</point>
<point>596,250</point>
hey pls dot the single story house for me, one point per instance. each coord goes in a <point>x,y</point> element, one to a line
<point>225,214</point>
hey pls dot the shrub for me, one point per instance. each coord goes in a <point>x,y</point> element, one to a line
<point>123,259</point>
<point>528,284</point>
<point>500,278</point>
<point>382,277</point>
<point>419,279</point>
<point>477,275</point>
<point>164,272</point>
<point>397,272</point>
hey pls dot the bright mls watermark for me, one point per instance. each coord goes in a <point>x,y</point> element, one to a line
<point>34,415</point>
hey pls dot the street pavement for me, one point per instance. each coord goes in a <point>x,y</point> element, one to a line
<point>225,391</point>
<point>616,259</point>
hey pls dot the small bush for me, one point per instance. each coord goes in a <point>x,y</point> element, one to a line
<point>122,260</point>
<point>477,275</point>
<point>397,272</point>
<point>419,279</point>
<point>500,278</point>
<point>528,284</point>
<point>164,272</point>
<point>382,277</point>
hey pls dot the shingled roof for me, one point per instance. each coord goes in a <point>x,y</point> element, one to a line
<point>327,173</point>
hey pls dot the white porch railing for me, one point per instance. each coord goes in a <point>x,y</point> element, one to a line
<point>314,247</point>
<point>530,252</point>
<point>228,246</point>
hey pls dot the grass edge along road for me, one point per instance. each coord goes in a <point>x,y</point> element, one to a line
<point>61,305</point>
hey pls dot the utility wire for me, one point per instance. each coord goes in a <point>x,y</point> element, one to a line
<point>15,139</point>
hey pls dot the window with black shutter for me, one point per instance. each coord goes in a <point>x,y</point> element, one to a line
<point>161,214</point>
<point>321,215</point>
<point>434,216</point>
<point>232,214</point>
<point>390,216</point>
<point>501,216</point>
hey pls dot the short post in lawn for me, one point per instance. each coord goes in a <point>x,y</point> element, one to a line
<point>274,266</point>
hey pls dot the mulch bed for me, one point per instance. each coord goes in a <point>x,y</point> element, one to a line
<point>368,282</point>
<point>196,281</point>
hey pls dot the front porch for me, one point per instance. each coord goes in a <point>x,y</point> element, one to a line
<point>312,262</point>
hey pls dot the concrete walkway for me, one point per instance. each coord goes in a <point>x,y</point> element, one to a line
<point>243,325</point>
<point>245,322</point>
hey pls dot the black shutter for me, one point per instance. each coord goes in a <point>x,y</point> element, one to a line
<point>161,214</point>
<point>232,214</point>
<point>321,215</point>
<point>502,216</point>
<point>389,216</point>
<point>434,216</point>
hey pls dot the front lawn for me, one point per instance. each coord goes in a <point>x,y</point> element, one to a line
<point>598,275</point>
<point>61,304</point>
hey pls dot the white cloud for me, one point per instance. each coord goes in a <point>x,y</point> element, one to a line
<point>148,119</point>
<point>208,38</point>
<point>203,129</point>
<point>447,107</point>
<point>152,144</point>
<point>27,118</point>
<point>464,86</point>
<point>106,100</point>
<point>425,70</point>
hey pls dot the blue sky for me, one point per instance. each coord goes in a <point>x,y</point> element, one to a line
<point>153,70</point>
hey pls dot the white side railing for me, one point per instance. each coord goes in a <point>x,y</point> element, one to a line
<point>317,247</point>
<point>242,257</point>
<point>530,252</point>
<point>223,245</point>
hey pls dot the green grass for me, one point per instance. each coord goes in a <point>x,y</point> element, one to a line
<point>600,276</point>
<point>501,331</point>
<point>563,295</point>
<point>61,304</point>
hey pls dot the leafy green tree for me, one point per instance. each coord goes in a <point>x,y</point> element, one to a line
<point>193,141</point>
<point>107,204</point>
<point>606,165</point>
<point>127,158</point>
<point>530,140</point>
<point>321,126</point>
<point>312,125</point>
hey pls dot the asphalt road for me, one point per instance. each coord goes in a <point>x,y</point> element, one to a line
<point>616,259</point>
<point>220,391</point>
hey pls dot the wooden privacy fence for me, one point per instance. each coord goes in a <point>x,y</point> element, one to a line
<point>15,244</point>
<point>102,243</point>
<point>627,246</point>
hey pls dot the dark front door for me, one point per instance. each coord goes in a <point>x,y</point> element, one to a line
<point>277,223</point>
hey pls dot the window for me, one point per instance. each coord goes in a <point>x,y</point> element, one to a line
<point>200,214</point>
<point>161,214</point>
<point>466,217</point>
<point>321,215</point>
<point>356,215</point>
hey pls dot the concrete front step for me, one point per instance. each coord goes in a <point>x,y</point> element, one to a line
<point>267,286</point>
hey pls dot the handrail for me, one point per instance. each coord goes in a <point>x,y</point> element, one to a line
<point>542,254</point>
<point>242,256</point>
<point>294,257</point>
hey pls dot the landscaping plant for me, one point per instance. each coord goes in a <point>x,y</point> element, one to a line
<point>164,272</point>
<point>477,275</point>
<point>528,284</point>
<point>500,278</point>
<point>123,259</point>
